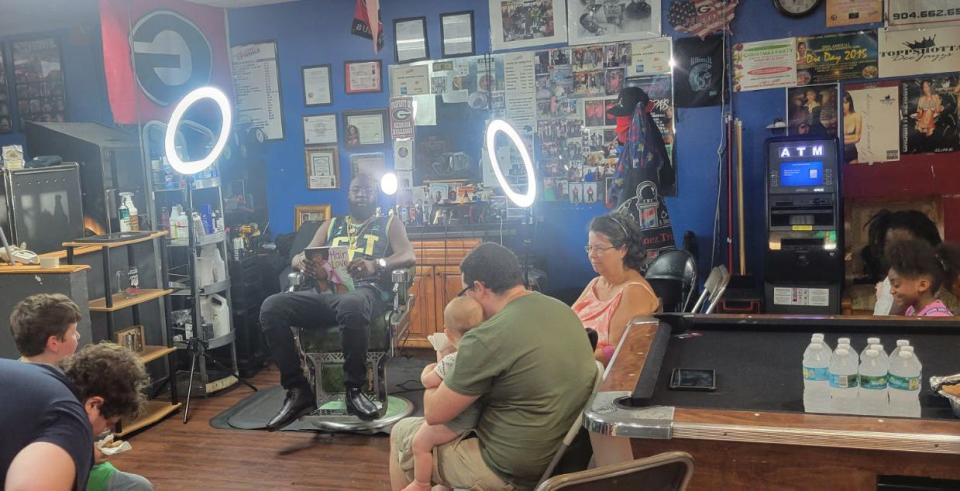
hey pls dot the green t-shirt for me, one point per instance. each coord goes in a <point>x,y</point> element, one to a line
<point>532,365</point>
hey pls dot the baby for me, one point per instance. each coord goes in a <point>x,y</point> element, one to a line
<point>460,315</point>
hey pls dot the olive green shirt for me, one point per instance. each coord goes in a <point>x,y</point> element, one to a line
<point>532,367</point>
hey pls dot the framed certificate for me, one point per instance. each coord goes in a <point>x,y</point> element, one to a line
<point>320,129</point>
<point>371,164</point>
<point>310,213</point>
<point>316,85</point>
<point>365,127</point>
<point>363,76</point>
<point>410,39</point>
<point>322,166</point>
<point>456,34</point>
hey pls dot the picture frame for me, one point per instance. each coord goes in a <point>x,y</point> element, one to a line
<point>320,129</point>
<point>308,213</point>
<point>513,25</point>
<point>6,108</point>
<point>410,40</point>
<point>363,77</point>
<point>39,80</point>
<point>130,337</point>
<point>373,164</point>
<point>317,85</point>
<point>453,27</point>
<point>365,128</point>
<point>321,164</point>
<point>608,22</point>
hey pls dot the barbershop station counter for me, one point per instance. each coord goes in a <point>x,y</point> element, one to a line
<point>752,431</point>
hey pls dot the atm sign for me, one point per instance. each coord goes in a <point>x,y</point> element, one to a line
<point>801,151</point>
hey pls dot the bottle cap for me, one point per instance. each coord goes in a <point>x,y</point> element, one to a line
<point>873,340</point>
<point>877,347</point>
<point>903,342</point>
<point>817,335</point>
<point>907,349</point>
<point>843,340</point>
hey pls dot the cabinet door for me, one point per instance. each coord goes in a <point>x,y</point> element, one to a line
<point>448,286</point>
<point>423,315</point>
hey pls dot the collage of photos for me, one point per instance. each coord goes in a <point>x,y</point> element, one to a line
<point>6,121</point>
<point>39,80</point>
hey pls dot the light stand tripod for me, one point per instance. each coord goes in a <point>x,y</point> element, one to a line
<point>198,348</point>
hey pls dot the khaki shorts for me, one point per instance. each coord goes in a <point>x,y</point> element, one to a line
<point>457,464</point>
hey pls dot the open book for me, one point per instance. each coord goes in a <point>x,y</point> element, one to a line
<point>334,260</point>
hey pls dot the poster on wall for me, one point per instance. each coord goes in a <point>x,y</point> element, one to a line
<point>764,65</point>
<point>698,71</point>
<point>834,57</point>
<point>812,110</point>
<point>527,23</point>
<point>520,91</point>
<point>871,114</point>
<point>409,80</point>
<point>650,57</point>
<point>38,79</point>
<point>928,114</point>
<point>612,20</point>
<point>905,52</point>
<point>257,84</point>
<point>702,17</point>
<point>6,122</point>
<point>852,12</point>
<point>401,118</point>
<point>906,12</point>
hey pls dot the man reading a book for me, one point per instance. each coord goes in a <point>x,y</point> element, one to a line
<point>376,246</point>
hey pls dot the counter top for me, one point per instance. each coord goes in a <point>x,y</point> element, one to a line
<point>36,269</point>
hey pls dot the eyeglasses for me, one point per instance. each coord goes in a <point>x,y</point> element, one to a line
<point>590,248</point>
<point>465,290</point>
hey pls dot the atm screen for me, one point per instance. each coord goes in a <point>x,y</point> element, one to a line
<point>801,174</point>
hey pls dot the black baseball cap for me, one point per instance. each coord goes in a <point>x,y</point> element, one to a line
<point>628,100</point>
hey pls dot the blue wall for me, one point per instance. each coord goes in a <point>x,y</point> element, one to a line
<point>312,32</point>
<point>85,83</point>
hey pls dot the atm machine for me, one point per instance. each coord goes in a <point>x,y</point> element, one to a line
<point>804,253</point>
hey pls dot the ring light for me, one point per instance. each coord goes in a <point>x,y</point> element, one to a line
<point>388,183</point>
<point>522,200</point>
<point>169,139</point>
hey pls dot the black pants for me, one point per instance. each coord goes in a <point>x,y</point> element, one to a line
<point>312,310</point>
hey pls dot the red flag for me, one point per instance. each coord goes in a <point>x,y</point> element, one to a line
<point>156,51</point>
<point>362,13</point>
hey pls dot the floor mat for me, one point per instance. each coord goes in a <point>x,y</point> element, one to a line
<point>253,412</point>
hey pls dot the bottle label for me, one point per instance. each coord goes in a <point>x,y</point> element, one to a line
<point>843,381</point>
<point>903,383</point>
<point>816,374</point>
<point>876,382</point>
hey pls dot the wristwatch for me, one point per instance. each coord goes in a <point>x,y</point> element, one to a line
<point>381,265</point>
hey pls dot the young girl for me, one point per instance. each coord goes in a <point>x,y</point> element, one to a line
<point>917,271</point>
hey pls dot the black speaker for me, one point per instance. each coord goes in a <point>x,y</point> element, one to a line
<point>42,207</point>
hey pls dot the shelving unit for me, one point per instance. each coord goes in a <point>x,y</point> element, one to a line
<point>156,410</point>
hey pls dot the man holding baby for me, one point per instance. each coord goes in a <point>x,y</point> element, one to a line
<point>528,365</point>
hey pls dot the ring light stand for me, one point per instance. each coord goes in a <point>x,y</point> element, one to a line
<point>524,200</point>
<point>196,346</point>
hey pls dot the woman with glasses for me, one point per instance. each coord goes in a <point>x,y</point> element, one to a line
<point>619,293</point>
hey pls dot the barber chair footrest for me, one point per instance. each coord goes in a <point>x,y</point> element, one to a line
<point>332,415</point>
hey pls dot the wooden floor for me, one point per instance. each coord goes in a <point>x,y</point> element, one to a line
<point>196,456</point>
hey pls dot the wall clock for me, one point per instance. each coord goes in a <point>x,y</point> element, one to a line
<point>796,8</point>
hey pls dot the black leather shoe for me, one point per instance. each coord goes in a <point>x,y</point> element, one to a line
<point>359,405</point>
<point>298,401</point>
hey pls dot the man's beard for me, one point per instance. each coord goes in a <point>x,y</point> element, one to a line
<point>362,211</point>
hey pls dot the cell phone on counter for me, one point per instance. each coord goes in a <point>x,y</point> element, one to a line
<point>703,379</point>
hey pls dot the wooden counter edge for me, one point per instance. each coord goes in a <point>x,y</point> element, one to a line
<point>36,269</point>
<point>153,235</point>
<point>628,360</point>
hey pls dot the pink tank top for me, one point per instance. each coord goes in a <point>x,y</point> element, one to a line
<point>596,314</point>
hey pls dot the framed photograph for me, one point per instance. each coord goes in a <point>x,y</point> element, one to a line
<point>410,39</point>
<point>322,165</point>
<point>365,127</point>
<point>371,164</point>
<point>130,338</point>
<point>524,24</point>
<point>363,76</point>
<point>38,80</point>
<point>316,85</point>
<point>320,129</point>
<point>310,213</point>
<point>611,21</point>
<point>6,120</point>
<point>456,34</point>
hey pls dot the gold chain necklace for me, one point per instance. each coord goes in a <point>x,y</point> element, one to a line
<point>354,230</point>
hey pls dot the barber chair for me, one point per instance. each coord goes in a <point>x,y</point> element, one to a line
<point>673,276</point>
<point>322,356</point>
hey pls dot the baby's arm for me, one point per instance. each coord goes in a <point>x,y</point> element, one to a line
<point>430,380</point>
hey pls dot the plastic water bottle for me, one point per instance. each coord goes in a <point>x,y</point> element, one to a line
<point>846,342</point>
<point>873,384</point>
<point>843,381</point>
<point>880,351</point>
<point>900,343</point>
<point>904,384</point>
<point>816,385</point>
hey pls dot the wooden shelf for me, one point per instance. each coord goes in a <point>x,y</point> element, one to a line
<point>151,353</point>
<point>77,251</point>
<point>154,412</point>
<point>122,301</point>
<point>37,269</point>
<point>119,243</point>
